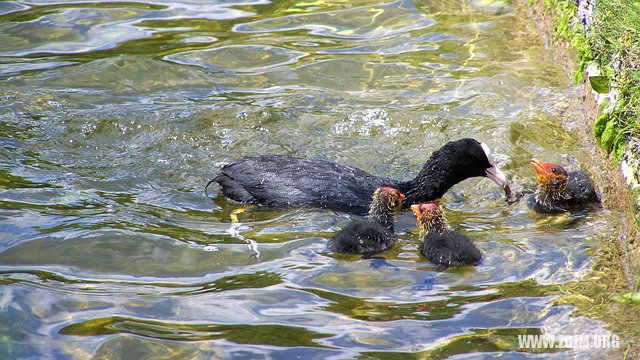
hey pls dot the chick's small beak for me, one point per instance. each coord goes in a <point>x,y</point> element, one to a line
<point>416,208</point>
<point>539,166</point>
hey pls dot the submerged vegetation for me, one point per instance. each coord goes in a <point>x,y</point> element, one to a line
<point>592,297</point>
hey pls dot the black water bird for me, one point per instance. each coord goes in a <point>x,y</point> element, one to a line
<point>286,181</point>
<point>559,190</point>
<point>440,244</point>
<point>373,234</point>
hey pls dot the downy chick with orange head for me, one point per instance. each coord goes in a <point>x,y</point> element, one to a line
<point>440,244</point>
<point>559,190</point>
<point>373,234</point>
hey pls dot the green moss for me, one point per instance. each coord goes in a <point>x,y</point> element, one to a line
<point>635,196</point>
<point>614,41</point>
<point>613,44</point>
<point>610,136</point>
<point>600,125</point>
<point>619,146</point>
<point>611,131</point>
<point>568,29</point>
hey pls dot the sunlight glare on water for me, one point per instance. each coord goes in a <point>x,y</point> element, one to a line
<point>116,114</point>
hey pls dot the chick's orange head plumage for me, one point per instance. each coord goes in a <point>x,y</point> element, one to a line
<point>549,174</point>
<point>424,208</point>
<point>426,211</point>
<point>429,216</point>
<point>393,196</point>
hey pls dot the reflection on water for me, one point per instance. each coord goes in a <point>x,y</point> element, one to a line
<point>115,115</point>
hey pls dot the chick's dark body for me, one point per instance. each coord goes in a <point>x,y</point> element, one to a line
<point>362,236</point>
<point>580,193</point>
<point>449,248</point>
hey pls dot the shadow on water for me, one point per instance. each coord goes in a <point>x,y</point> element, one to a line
<point>116,114</point>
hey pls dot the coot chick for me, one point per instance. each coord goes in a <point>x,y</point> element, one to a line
<point>559,191</point>
<point>373,234</point>
<point>286,181</point>
<point>441,245</point>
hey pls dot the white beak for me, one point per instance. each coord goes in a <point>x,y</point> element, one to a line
<point>496,175</point>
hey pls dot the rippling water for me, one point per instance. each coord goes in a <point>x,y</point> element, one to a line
<point>116,114</point>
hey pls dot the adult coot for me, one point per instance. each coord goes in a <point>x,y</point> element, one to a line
<point>559,191</point>
<point>375,233</point>
<point>441,245</point>
<point>285,181</point>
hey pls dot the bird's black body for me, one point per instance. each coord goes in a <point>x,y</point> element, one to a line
<point>363,236</point>
<point>286,181</point>
<point>448,248</point>
<point>579,194</point>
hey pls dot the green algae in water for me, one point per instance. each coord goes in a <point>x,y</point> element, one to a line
<point>274,335</point>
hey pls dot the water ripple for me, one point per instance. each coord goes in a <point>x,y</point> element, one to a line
<point>376,21</point>
<point>242,58</point>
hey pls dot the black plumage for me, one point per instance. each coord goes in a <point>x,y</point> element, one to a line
<point>373,234</point>
<point>440,244</point>
<point>559,190</point>
<point>449,248</point>
<point>286,181</point>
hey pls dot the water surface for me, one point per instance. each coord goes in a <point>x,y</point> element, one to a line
<point>116,114</point>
